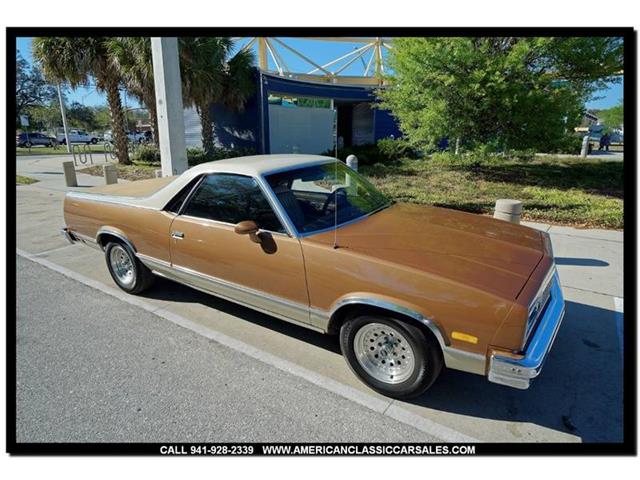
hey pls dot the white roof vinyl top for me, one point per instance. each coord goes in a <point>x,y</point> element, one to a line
<point>257,165</point>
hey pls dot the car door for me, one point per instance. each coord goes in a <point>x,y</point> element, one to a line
<point>206,251</point>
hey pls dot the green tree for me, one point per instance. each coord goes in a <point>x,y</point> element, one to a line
<point>132,57</point>
<point>209,76</point>
<point>77,59</point>
<point>32,90</point>
<point>509,92</point>
<point>613,117</point>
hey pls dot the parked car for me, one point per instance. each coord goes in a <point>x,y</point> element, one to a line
<point>134,137</point>
<point>30,139</point>
<point>77,136</point>
<point>408,288</point>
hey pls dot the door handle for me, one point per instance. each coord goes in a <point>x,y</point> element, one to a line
<point>177,234</point>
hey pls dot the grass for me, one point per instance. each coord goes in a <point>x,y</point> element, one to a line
<point>558,190</point>
<point>60,150</point>
<point>22,180</point>
<point>137,171</point>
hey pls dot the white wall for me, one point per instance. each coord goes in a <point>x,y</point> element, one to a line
<point>192,128</point>
<point>300,129</point>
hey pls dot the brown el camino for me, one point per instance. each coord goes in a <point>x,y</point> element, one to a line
<point>306,239</point>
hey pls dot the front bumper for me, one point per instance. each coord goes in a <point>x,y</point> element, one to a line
<point>518,372</point>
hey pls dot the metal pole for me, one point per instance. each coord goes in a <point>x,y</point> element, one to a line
<point>64,119</point>
<point>168,86</point>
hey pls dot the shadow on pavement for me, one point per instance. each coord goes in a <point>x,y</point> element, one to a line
<point>578,392</point>
<point>581,262</point>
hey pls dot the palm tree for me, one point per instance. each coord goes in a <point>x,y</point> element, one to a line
<point>210,76</point>
<point>75,60</point>
<point>132,57</point>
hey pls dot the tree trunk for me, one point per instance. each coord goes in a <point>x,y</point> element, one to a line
<point>207,129</point>
<point>153,115</point>
<point>118,131</point>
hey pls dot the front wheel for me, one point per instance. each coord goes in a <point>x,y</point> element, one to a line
<point>126,270</point>
<point>392,357</point>
<point>94,141</point>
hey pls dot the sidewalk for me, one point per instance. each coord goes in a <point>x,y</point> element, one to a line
<point>578,397</point>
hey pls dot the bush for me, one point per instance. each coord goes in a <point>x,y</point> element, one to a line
<point>146,154</point>
<point>396,149</point>
<point>196,155</point>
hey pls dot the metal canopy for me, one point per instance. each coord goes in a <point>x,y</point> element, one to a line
<point>271,52</point>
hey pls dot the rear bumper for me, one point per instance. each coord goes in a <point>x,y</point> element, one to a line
<point>518,372</point>
<point>71,238</point>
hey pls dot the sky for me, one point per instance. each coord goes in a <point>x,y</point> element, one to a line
<point>319,52</point>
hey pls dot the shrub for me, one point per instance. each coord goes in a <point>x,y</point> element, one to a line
<point>146,154</point>
<point>196,155</point>
<point>395,149</point>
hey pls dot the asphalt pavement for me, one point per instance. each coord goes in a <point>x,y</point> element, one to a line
<point>91,368</point>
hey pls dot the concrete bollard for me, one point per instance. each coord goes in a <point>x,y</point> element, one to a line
<point>110,174</point>
<point>158,173</point>
<point>585,147</point>
<point>352,162</point>
<point>508,210</point>
<point>70,174</point>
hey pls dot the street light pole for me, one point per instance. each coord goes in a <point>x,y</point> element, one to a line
<point>170,112</point>
<point>64,119</point>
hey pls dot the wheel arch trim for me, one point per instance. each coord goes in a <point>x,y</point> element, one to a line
<point>115,232</point>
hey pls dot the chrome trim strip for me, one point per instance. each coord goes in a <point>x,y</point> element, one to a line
<point>284,309</point>
<point>102,198</point>
<point>453,358</point>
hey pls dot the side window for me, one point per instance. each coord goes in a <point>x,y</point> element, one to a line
<point>176,202</point>
<point>232,199</point>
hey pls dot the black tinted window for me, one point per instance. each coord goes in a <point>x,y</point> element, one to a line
<point>232,199</point>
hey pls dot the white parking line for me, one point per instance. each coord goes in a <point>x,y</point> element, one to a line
<point>382,406</point>
<point>619,306</point>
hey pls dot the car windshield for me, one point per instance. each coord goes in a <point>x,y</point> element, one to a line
<point>311,195</point>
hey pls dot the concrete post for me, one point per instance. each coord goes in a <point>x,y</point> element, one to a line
<point>585,147</point>
<point>508,210</point>
<point>168,86</point>
<point>70,174</point>
<point>352,162</point>
<point>110,174</point>
<point>158,173</point>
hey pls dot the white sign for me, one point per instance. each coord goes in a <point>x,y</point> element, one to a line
<point>24,120</point>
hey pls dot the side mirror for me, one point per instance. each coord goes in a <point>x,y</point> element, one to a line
<point>248,227</point>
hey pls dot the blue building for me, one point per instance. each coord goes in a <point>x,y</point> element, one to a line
<point>297,116</point>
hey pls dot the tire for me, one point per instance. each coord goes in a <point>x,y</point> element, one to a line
<point>28,144</point>
<point>401,342</point>
<point>94,141</point>
<point>126,270</point>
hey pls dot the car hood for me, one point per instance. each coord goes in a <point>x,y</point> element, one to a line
<point>473,250</point>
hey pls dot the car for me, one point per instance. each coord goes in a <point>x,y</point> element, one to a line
<point>30,139</point>
<point>408,289</point>
<point>77,136</point>
<point>133,137</point>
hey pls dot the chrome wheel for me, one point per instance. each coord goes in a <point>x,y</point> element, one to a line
<point>384,353</point>
<point>122,266</point>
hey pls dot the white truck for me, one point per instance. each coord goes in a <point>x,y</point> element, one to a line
<point>77,136</point>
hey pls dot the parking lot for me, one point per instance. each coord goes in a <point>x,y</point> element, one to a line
<point>578,397</point>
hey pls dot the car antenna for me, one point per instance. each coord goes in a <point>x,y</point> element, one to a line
<point>335,208</point>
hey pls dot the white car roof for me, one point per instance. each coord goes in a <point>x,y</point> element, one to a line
<point>258,165</point>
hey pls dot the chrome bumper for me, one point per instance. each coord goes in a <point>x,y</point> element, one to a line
<point>518,372</point>
<point>68,235</point>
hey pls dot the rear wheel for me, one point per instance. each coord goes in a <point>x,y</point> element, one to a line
<point>126,270</point>
<point>28,144</point>
<point>392,357</point>
<point>94,141</point>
